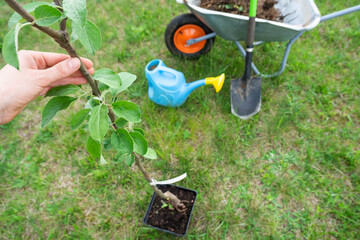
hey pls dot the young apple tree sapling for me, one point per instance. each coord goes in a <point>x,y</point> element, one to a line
<point>109,119</point>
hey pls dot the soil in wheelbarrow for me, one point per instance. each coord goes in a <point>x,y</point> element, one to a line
<point>265,8</point>
<point>171,220</point>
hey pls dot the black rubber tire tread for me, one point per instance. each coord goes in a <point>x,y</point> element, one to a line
<point>180,21</point>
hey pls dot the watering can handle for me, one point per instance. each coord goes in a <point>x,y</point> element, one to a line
<point>156,69</point>
<point>161,67</point>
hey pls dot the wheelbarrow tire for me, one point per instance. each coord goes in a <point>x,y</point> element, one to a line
<point>183,28</point>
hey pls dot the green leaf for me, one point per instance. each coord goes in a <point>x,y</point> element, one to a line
<point>75,10</point>
<point>99,122</point>
<point>46,15</point>
<point>30,7</point>
<point>151,154</point>
<point>91,103</point>
<point>108,77</point>
<point>128,110</point>
<point>126,80</point>
<point>121,122</point>
<point>55,105</point>
<point>130,159</point>
<point>141,145</point>
<point>10,49</point>
<point>73,37</point>
<point>102,86</point>
<point>139,130</point>
<point>62,90</point>
<point>240,8</point>
<point>104,93</point>
<point>10,45</point>
<point>89,35</point>
<point>119,157</point>
<point>122,141</point>
<point>94,148</point>
<point>107,144</point>
<point>79,118</point>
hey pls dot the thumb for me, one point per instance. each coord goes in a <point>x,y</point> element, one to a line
<point>61,70</point>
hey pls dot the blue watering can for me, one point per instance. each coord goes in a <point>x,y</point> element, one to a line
<point>167,87</point>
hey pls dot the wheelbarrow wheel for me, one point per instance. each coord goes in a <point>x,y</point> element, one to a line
<point>183,28</point>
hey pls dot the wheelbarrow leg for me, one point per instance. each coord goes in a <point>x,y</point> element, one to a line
<point>284,60</point>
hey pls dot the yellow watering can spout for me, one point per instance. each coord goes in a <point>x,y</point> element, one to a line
<point>217,82</point>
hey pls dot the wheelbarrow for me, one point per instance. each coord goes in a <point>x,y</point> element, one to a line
<point>192,35</point>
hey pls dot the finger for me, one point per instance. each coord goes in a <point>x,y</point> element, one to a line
<point>48,59</point>
<point>44,91</point>
<point>87,62</point>
<point>79,74</point>
<point>59,71</point>
<point>91,71</point>
<point>70,80</point>
<point>43,60</point>
<point>66,81</point>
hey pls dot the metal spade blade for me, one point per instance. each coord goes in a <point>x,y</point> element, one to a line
<point>245,97</point>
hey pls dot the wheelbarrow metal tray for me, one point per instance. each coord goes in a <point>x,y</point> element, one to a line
<point>300,15</point>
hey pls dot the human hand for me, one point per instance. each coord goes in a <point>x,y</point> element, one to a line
<point>39,72</point>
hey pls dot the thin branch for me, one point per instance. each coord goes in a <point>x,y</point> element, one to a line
<point>142,169</point>
<point>63,22</point>
<point>174,201</point>
<point>58,3</point>
<point>112,117</point>
<point>147,177</point>
<point>27,16</point>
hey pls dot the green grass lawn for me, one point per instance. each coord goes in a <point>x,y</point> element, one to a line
<point>290,172</point>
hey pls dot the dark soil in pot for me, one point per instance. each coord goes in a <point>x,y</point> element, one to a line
<point>168,220</point>
<point>265,8</point>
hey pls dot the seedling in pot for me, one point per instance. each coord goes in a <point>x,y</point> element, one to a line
<point>167,205</point>
<point>110,120</point>
<point>159,215</point>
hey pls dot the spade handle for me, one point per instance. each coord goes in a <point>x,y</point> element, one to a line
<point>250,39</point>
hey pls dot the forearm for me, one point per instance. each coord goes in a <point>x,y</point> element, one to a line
<point>3,100</point>
<point>6,90</point>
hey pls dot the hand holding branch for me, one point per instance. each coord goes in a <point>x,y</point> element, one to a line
<point>39,72</point>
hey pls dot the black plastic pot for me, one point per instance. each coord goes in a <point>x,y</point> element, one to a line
<point>152,204</point>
